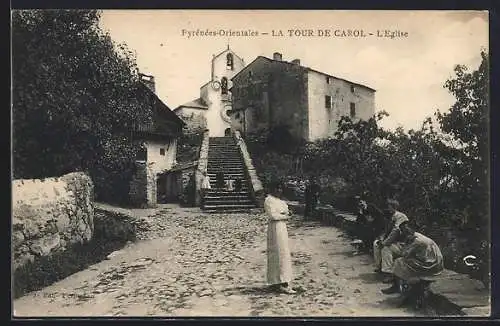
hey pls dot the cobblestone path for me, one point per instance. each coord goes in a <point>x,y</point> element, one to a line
<point>188,263</point>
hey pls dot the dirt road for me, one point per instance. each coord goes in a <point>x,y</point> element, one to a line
<point>193,264</point>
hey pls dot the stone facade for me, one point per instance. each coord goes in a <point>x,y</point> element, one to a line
<point>308,103</point>
<point>161,154</point>
<point>49,215</point>
<point>143,192</point>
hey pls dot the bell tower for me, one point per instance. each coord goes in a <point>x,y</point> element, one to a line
<point>224,66</point>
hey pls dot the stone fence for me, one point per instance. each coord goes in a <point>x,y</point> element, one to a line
<point>49,215</point>
<point>257,190</point>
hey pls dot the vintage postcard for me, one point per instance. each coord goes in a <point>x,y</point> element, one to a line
<point>250,163</point>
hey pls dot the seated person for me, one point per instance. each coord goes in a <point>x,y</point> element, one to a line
<point>421,258</point>
<point>219,180</point>
<point>370,224</point>
<point>238,185</point>
<point>230,184</point>
<point>389,248</point>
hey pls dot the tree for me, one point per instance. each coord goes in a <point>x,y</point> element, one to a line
<point>467,124</point>
<point>74,102</point>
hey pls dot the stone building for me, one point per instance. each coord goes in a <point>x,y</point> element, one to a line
<point>308,103</point>
<point>214,102</point>
<point>159,138</point>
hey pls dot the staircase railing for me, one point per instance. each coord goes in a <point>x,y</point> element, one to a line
<point>256,188</point>
<point>202,167</point>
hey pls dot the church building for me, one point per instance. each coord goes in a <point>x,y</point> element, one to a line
<point>211,109</point>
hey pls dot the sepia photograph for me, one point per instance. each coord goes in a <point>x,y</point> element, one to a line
<point>250,163</point>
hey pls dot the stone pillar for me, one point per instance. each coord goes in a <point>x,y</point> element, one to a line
<point>202,167</point>
<point>143,186</point>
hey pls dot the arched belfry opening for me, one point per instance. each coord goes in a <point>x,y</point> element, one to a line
<point>230,61</point>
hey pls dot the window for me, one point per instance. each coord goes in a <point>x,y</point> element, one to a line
<point>162,151</point>
<point>328,102</point>
<point>353,110</point>
<point>353,88</point>
<point>328,79</point>
<point>228,113</point>
<point>229,61</point>
<point>250,74</point>
<point>223,85</point>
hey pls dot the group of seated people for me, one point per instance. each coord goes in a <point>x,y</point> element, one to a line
<point>405,258</point>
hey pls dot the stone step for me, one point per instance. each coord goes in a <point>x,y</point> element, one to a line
<point>227,170</point>
<point>214,182</point>
<point>229,206</point>
<point>228,202</point>
<point>223,192</point>
<point>225,158</point>
<point>229,148</point>
<point>230,211</point>
<point>233,156</point>
<point>233,176</point>
<point>223,145</point>
<point>227,196</point>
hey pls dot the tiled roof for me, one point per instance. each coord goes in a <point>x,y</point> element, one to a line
<point>197,104</point>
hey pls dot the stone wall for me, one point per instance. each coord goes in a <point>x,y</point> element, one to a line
<point>256,188</point>
<point>143,192</point>
<point>49,215</point>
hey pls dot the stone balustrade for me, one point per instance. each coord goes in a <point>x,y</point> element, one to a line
<point>256,188</point>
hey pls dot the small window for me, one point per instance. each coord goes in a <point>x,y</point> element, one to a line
<point>228,113</point>
<point>224,85</point>
<point>328,102</point>
<point>328,79</point>
<point>162,151</point>
<point>230,61</point>
<point>353,110</point>
<point>353,88</point>
<point>250,74</point>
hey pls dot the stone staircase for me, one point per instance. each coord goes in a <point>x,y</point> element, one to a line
<point>223,153</point>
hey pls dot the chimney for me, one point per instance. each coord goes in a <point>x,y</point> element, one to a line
<point>149,81</point>
<point>277,56</point>
<point>296,62</point>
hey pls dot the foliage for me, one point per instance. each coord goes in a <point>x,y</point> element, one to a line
<point>188,147</point>
<point>74,99</point>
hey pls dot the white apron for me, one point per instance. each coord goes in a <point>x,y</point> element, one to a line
<point>279,263</point>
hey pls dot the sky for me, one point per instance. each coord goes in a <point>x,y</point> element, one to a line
<point>408,72</point>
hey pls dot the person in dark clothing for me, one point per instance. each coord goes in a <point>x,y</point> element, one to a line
<point>370,223</point>
<point>238,185</point>
<point>312,193</point>
<point>219,180</point>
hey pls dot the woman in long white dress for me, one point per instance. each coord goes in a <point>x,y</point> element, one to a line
<point>279,262</point>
